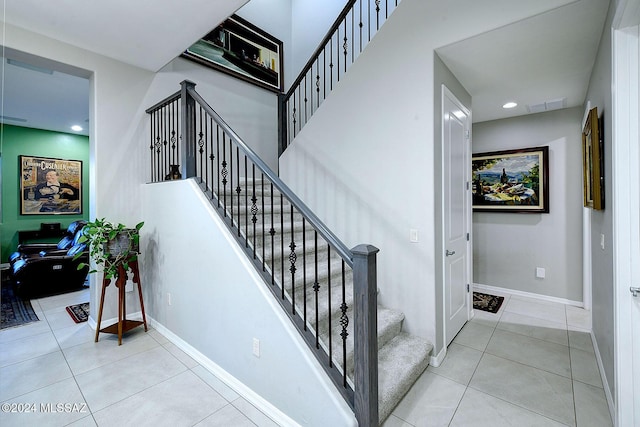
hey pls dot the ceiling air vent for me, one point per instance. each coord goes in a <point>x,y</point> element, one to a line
<point>554,104</point>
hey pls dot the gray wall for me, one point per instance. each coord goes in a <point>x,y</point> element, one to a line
<point>507,247</point>
<point>599,95</point>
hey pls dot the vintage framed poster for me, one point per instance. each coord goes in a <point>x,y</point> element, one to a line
<point>592,161</point>
<point>50,186</point>
<point>241,49</point>
<point>511,180</point>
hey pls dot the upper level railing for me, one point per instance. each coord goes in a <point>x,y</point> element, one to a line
<point>324,287</point>
<point>356,25</point>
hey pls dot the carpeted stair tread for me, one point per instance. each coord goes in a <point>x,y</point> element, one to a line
<point>400,363</point>
<point>389,326</point>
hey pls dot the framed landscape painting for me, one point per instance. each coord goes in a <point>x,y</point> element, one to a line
<point>241,49</point>
<point>50,186</point>
<point>511,181</point>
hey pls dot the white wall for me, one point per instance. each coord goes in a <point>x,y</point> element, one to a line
<point>365,163</point>
<point>119,127</point>
<point>219,304</point>
<point>508,247</point>
<point>599,95</point>
<point>252,112</point>
<point>310,23</point>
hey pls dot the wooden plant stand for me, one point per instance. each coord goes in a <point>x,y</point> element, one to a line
<point>123,325</point>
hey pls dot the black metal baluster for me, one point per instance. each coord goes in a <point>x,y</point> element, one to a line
<point>231,180</point>
<point>316,286</point>
<point>264,260</point>
<point>238,190</point>
<point>304,275</point>
<point>377,15</point>
<point>345,45</point>
<point>254,211</point>
<point>306,117</point>
<point>218,172</point>
<point>361,25</point>
<point>318,82</point>
<point>212,158</point>
<point>353,34</point>
<point>246,203</point>
<point>294,114</point>
<point>386,9</point>
<point>329,302</point>
<point>369,18</point>
<point>281,245</point>
<point>344,322</point>
<point>337,51</point>
<point>331,63</point>
<point>165,142</point>
<point>272,232</point>
<point>324,74</point>
<point>174,140</point>
<point>224,173</point>
<point>158,145</point>
<point>292,259</point>
<point>151,136</point>
<point>201,144</point>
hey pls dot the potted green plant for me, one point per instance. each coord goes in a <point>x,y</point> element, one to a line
<point>110,245</point>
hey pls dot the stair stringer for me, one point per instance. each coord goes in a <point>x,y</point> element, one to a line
<point>219,304</point>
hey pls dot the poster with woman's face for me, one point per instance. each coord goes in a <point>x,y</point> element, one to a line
<point>50,186</point>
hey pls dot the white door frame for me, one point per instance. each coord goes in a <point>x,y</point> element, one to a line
<point>447,93</point>
<point>626,207</point>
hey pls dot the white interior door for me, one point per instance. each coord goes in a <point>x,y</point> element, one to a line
<point>457,212</point>
<point>626,210</point>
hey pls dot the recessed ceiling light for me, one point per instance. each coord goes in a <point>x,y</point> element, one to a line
<point>510,105</point>
<point>76,128</point>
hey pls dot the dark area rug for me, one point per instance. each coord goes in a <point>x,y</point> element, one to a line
<point>15,310</point>
<point>79,312</point>
<point>486,302</point>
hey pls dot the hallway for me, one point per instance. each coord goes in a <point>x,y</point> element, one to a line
<point>531,364</point>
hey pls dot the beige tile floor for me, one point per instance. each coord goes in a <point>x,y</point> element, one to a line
<point>147,381</point>
<point>531,364</point>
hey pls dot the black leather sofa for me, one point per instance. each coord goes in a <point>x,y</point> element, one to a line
<point>44,269</point>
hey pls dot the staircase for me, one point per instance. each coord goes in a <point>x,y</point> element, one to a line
<point>327,290</point>
<point>401,357</point>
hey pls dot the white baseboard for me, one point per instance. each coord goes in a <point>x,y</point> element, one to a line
<point>605,383</point>
<point>248,394</point>
<point>436,360</point>
<point>499,290</point>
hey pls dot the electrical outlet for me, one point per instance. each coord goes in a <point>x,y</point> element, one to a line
<point>168,298</point>
<point>129,286</point>
<point>540,272</point>
<point>256,347</point>
<point>413,235</point>
<point>602,241</point>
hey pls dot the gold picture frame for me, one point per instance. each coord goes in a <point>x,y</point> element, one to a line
<point>592,161</point>
<point>50,186</point>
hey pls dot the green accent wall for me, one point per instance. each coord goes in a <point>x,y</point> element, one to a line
<point>17,141</point>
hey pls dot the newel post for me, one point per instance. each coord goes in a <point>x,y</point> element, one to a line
<point>282,123</point>
<point>366,335</point>
<point>188,122</point>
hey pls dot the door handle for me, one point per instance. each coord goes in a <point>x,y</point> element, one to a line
<point>449,253</point>
<point>634,291</point>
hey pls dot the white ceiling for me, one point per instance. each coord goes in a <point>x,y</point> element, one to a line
<point>144,33</point>
<point>541,58</point>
